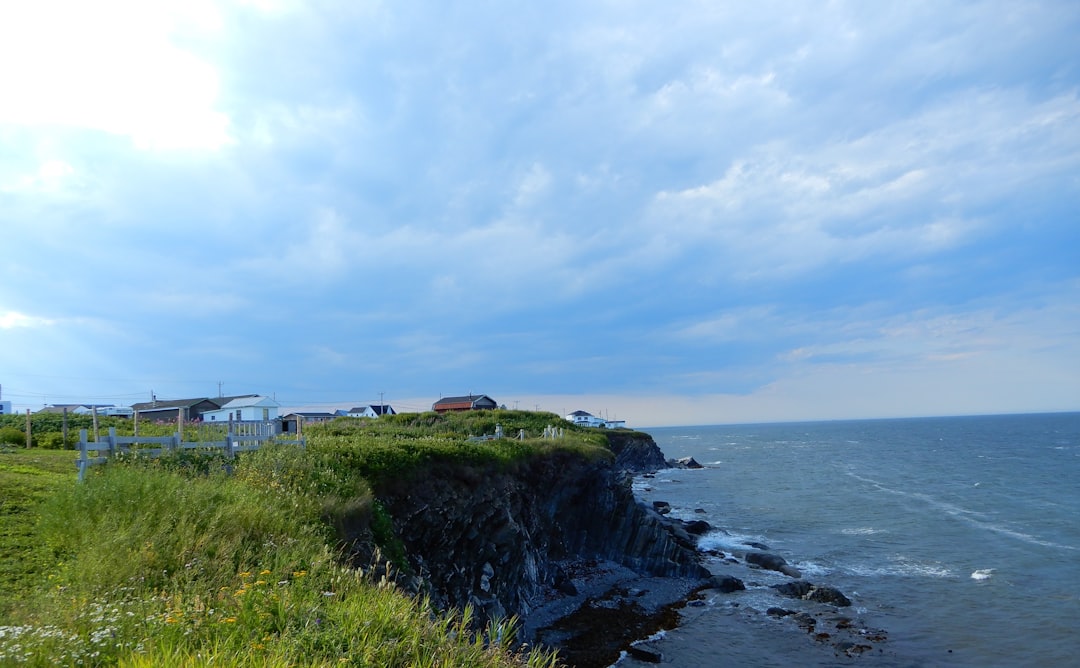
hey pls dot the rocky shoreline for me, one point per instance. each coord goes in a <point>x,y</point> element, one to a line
<point>609,614</point>
<point>590,569</point>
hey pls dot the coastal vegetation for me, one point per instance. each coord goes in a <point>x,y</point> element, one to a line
<point>192,560</point>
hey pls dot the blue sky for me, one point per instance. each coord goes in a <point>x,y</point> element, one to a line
<point>669,213</point>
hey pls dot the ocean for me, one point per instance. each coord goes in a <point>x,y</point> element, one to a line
<point>958,538</point>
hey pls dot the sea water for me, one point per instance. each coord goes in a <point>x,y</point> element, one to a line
<point>958,537</point>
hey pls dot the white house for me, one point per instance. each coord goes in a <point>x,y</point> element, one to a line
<point>245,409</point>
<point>372,411</point>
<point>584,419</point>
<point>5,408</point>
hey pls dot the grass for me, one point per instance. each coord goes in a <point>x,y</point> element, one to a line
<point>27,478</point>
<point>160,563</point>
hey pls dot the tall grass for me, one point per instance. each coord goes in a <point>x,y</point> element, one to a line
<point>161,565</point>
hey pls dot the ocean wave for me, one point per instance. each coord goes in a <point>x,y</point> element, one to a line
<point>902,568</point>
<point>982,574</point>
<point>720,539</point>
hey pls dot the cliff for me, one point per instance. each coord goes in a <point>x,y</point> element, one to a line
<point>500,539</point>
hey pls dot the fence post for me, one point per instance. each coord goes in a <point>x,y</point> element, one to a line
<point>97,434</point>
<point>82,462</point>
<point>180,422</point>
<point>114,447</point>
<point>27,427</point>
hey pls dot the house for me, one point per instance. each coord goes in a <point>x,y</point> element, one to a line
<point>253,408</point>
<point>583,419</point>
<point>165,411</point>
<point>372,411</point>
<point>471,402</point>
<point>295,421</point>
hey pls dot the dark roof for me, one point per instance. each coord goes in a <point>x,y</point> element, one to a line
<point>171,403</point>
<point>310,414</point>
<point>161,404</point>
<point>582,414</point>
<point>467,401</point>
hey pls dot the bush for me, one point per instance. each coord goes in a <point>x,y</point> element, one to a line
<point>55,441</point>
<point>12,436</point>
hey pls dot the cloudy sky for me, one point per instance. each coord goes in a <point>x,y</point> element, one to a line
<point>665,212</point>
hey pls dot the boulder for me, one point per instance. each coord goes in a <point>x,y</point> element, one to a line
<point>830,595</point>
<point>772,562</point>
<point>726,583</point>
<point>644,654</point>
<point>697,527</point>
<point>794,589</point>
<point>684,463</point>
<point>662,507</point>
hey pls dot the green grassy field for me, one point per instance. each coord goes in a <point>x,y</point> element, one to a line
<point>173,562</point>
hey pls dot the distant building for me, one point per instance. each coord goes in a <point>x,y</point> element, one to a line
<point>293,422</point>
<point>88,409</point>
<point>255,408</point>
<point>585,419</point>
<point>372,411</point>
<point>5,408</point>
<point>167,410</point>
<point>471,402</point>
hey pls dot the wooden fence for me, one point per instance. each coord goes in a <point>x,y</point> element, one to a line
<point>233,438</point>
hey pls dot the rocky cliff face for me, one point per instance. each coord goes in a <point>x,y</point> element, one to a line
<point>499,539</point>
<point>635,451</point>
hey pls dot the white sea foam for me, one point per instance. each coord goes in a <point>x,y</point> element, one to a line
<point>728,541</point>
<point>982,574</point>
<point>861,531</point>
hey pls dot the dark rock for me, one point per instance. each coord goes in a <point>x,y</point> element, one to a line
<point>779,612</point>
<point>772,562</point>
<point>794,589</point>
<point>756,546</point>
<point>830,595</point>
<point>697,527</point>
<point>726,583</point>
<point>810,592</point>
<point>688,463</point>
<point>644,654</point>
<point>635,451</point>
<point>699,510</point>
<point>662,507</point>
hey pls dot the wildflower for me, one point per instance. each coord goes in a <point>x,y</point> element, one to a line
<point>264,572</point>
<point>229,620</point>
<point>245,574</point>
<point>299,574</point>
<point>260,582</point>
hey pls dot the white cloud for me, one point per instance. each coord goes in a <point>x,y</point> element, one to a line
<point>110,66</point>
<point>14,319</point>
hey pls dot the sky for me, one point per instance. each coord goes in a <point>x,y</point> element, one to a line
<point>668,213</point>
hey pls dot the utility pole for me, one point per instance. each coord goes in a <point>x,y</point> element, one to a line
<point>219,389</point>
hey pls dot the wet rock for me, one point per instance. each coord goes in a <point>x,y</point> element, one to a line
<point>686,462</point>
<point>829,595</point>
<point>779,612</point>
<point>726,583</point>
<point>662,507</point>
<point>644,654</point>
<point>794,589</point>
<point>697,527</point>
<point>756,546</point>
<point>772,562</point>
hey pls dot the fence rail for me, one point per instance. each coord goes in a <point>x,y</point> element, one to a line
<point>236,437</point>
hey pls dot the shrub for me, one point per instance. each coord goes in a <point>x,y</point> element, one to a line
<point>12,436</point>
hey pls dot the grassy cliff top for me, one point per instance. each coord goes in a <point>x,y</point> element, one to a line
<point>174,562</point>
